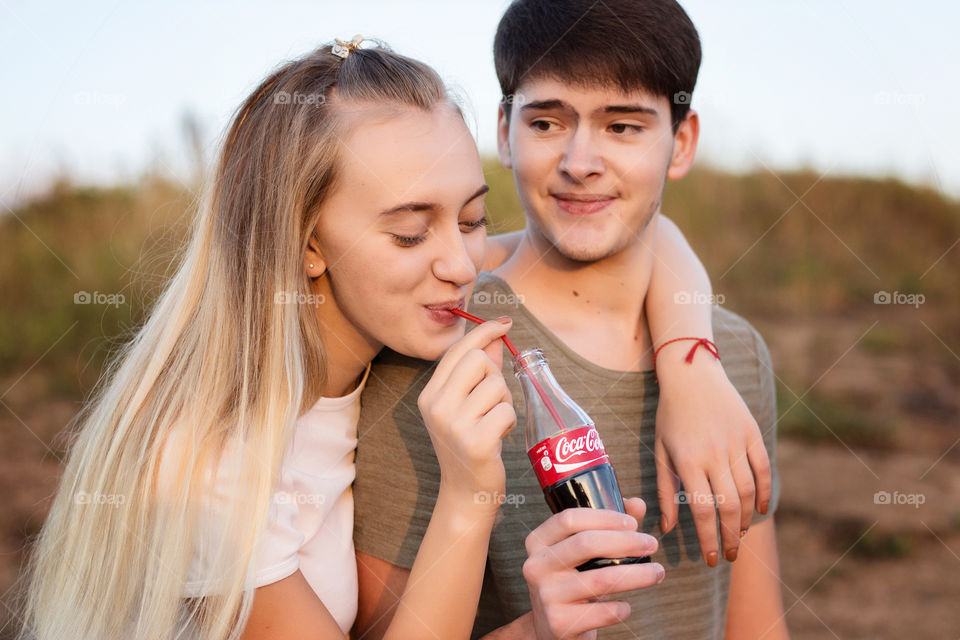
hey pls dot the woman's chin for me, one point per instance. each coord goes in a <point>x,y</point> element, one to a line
<point>429,349</point>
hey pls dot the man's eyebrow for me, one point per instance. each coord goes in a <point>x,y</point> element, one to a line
<point>428,206</point>
<point>629,109</point>
<point>557,104</point>
<point>544,105</point>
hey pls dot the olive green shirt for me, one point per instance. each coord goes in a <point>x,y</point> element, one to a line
<point>398,475</point>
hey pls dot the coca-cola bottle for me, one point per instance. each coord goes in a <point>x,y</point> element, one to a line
<point>565,449</point>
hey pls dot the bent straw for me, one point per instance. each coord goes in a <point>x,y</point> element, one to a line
<point>516,354</point>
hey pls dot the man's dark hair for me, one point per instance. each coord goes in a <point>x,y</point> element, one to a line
<point>648,45</point>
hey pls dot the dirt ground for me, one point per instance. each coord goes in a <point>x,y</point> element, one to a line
<point>853,564</point>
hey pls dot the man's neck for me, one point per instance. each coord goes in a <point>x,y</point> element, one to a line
<point>596,308</point>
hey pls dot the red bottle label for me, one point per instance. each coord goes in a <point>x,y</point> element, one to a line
<point>565,454</point>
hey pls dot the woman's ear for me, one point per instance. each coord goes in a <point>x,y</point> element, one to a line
<point>684,146</point>
<point>313,259</point>
<point>503,137</point>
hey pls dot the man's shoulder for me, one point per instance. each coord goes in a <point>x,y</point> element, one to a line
<point>392,388</point>
<point>745,358</point>
<point>738,339</point>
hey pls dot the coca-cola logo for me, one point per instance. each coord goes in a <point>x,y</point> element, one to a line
<point>570,447</point>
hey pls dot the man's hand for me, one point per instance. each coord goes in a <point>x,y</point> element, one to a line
<point>707,439</point>
<point>571,604</point>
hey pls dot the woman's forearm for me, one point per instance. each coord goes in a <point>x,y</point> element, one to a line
<point>679,299</point>
<point>441,594</point>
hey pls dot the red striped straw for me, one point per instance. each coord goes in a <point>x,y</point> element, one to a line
<point>516,354</point>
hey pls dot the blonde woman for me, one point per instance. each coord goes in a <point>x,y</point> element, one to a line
<point>297,273</point>
<point>345,214</point>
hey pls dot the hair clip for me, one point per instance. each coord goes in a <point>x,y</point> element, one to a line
<point>342,49</point>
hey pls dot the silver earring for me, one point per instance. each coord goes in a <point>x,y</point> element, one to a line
<point>311,265</point>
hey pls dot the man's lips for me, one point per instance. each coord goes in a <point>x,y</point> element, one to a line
<point>582,203</point>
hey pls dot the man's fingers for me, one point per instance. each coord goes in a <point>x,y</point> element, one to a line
<point>668,484</point>
<point>478,338</point>
<point>635,507</point>
<point>578,621</point>
<point>562,525</point>
<point>587,545</point>
<point>598,583</point>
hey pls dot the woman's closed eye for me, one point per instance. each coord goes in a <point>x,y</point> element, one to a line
<point>471,225</point>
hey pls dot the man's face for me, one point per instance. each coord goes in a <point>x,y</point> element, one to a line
<point>590,163</point>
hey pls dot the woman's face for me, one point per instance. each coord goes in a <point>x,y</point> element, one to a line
<point>402,235</point>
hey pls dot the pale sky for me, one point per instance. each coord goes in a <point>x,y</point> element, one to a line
<point>98,89</point>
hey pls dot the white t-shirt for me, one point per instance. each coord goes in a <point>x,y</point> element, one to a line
<point>310,525</point>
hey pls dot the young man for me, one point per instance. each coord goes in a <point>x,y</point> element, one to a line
<point>595,119</point>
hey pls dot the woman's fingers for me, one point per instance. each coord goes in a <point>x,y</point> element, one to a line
<point>473,368</point>
<point>760,464</point>
<point>668,485</point>
<point>728,506</point>
<point>699,498</point>
<point>743,478</point>
<point>478,338</point>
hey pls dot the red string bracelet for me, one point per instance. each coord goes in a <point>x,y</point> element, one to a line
<point>700,342</point>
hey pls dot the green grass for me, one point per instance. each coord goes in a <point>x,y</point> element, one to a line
<point>862,236</point>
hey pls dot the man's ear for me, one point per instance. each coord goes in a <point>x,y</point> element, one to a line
<point>684,146</point>
<point>503,136</point>
<point>313,260</point>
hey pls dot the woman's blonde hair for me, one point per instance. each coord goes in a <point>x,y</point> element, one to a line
<point>220,363</point>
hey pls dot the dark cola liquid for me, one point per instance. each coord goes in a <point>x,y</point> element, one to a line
<point>595,487</point>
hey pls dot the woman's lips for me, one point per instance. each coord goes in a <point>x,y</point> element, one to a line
<point>582,205</point>
<point>442,315</point>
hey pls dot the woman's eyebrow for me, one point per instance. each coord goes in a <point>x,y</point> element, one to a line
<point>428,206</point>
<point>479,192</point>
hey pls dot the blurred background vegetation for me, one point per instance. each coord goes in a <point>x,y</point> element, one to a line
<point>801,255</point>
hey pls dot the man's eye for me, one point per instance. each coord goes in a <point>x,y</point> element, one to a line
<point>622,127</point>
<point>408,241</point>
<point>540,125</point>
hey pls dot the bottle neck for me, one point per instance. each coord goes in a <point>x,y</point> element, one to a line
<point>549,409</point>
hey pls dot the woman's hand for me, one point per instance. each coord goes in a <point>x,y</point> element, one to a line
<point>467,410</point>
<point>707,439</point>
